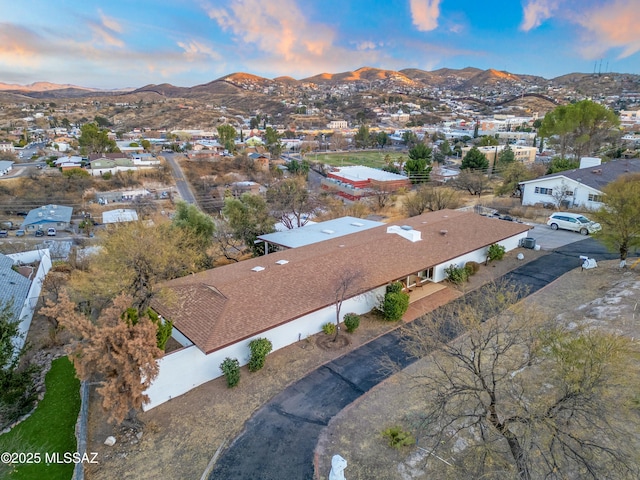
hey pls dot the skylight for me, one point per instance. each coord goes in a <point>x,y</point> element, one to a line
<point>328,232</point>
<point>257,269</point>
<point>282,262</point>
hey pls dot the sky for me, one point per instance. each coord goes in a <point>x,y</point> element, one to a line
<point>132,43</point>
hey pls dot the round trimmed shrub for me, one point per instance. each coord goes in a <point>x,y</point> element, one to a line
<point>260,348</point>
<point>394,305</point>
<point>351,322</point>
<point>329,328</point>
<point>472,268</point>
<point>231,369</point>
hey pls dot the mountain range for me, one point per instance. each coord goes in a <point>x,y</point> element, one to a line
<point>461,80</point>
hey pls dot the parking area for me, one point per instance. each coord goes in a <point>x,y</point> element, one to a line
<point>551,239</point>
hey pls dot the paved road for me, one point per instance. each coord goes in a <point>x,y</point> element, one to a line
<point>181,184</point>
<point>278,442</point>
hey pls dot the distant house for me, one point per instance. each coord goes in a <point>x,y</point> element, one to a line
<point>21,277</point>
<point>7,147</point>
<point>492,153</point>
<point>581,187</point>
<point>288,295</point>
<point>68,162</point>
<point>5,167</point>
<point>144,160</point>
<point>358,181</point>
<point>106,165</point>
<point>56,216</point>
<point>119,215</point>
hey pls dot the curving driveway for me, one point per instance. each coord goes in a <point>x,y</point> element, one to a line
<point>278,442</point>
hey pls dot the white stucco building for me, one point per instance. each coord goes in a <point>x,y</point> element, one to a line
<point>288,295</point>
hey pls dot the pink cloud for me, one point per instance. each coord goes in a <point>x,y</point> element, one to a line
<point>425,14</point>
<point>279,28</point>
<point>611,26</point>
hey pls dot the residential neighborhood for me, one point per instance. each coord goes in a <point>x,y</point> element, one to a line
<point>222,273</point>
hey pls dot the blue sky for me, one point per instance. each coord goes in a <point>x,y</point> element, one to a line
<point>131,43</point>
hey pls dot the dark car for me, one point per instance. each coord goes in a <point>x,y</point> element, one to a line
<point>39,233</point>
<point>4,233</point>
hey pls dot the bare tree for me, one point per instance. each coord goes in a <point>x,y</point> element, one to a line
<point>512,395</point>
<point>474,182</point>
<point>344,286</point>
<point>431,198</point>
<point>562,194</point>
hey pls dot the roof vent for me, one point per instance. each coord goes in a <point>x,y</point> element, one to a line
<point>282,262</point>
<point>411,235</point>
<point>257,269</point>
<point>444,232</point>
<point>407,227</point>
<point>328,232</point>
<point>357,224</point>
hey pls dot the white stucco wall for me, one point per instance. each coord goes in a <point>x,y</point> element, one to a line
<point>476,256</point>
<point>26,313</point>
<point>185,369</point>
<point>580,196</point>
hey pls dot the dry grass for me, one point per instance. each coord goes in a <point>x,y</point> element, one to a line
<point>606,296</point>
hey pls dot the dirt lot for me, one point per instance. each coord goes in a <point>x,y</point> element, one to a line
<point>606,297</point>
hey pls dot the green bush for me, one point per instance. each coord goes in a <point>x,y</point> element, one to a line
<point>472,268</point>
<point>455,274</point>
<point>107,176</point>
<point>329,328</point>
<point>351,322</point>
<point>398,438</point>
<point>394,305</point>
<point>231,369</point>
<point>260,348</point>
<point>495,252</point>
<point>395,287</point>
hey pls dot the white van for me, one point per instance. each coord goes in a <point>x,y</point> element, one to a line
<point>573,221</point>
<point>51,232</point>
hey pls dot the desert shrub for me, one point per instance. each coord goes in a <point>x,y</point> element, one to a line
<point>351,322</point>
<point>457,275</point>
<point>107,175</point>
<point>394,305</point>
<point>231,369</point>
<point>329,328</point>
<point>472,268</point>
<point>260,348</point>
<point>398,438</point>
<point>495,252</point>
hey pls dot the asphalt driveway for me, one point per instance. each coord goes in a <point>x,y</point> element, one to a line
<point>278,442</point>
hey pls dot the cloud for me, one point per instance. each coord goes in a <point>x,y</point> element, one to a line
<point>195,50</point>
<point>537,11</point>
<point>106,31</point>
<point>19,47</point>
<point>612,26</point>
<point>278,28</point>
<point>425,14</point>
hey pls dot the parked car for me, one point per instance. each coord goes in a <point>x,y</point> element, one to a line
<point>4,233</point>
<point>20,233</point>
<point>39,233</point>
<point>51,232</point>
<point>573,221</point>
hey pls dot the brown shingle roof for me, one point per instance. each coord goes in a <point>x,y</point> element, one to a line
<point>222,306</point>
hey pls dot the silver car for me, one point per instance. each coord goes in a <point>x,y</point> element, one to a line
<point>573,221</point>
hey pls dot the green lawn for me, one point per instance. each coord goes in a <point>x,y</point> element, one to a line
<point>373,159</point>
<point>51,428</point>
